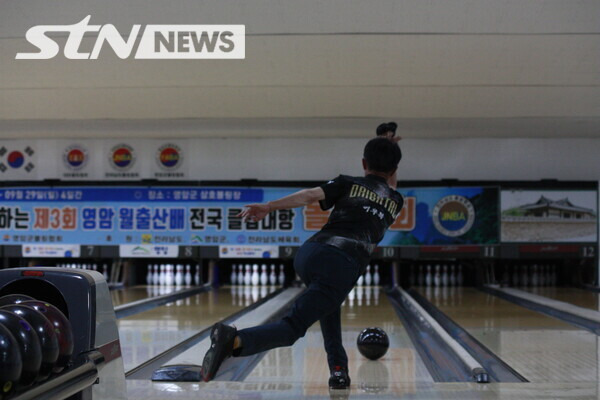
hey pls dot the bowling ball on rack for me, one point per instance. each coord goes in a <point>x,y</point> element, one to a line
<point>46,334</point>
<point>62,328</point>
<point>11,364</point>
<point>29,345</point>
<point>373,343</point>
<point>14,299</point>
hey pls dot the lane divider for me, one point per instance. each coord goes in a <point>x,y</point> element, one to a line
<point>499,370</point>
<point>439,341</point>
<point>578,316</point>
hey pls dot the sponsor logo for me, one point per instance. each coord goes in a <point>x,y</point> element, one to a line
<point>453,215</point>
<point>196,239</point>
<point>169,157</point>
<point>122,157</point>
<point>146,238</point>
<point>156,41</point>
<point>75,157</point>
<point>139,251</point>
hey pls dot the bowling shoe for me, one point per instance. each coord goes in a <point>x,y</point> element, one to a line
<point>339,378</point>
<point>221,347</point>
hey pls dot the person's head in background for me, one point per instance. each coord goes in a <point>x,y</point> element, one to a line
<point>387,130</point>
<point>381,157</point>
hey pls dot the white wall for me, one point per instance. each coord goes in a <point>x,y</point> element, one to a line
<point>320,159</point>
<point>495,159</point>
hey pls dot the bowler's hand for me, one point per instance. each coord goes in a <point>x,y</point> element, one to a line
<point>255,212</point>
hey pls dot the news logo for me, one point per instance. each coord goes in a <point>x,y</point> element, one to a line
<point>156,42</point>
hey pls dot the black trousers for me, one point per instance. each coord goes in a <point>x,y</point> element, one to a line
<point>329,275</point>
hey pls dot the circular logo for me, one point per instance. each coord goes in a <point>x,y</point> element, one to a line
<point>75,157</point>
<point>122,157</point>
<point>169,156</point>
<point>15,159</point>
<point>453,215</point>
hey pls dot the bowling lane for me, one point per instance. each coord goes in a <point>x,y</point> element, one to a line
<point>149,333</point>
<point>577,297</point>
<point>305,362</point>
<point>541,348</point>
<point>140,292</point>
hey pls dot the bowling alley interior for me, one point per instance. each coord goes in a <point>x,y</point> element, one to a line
<point>134,135</point>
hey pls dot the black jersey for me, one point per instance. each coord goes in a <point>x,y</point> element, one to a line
<point>365,207</point>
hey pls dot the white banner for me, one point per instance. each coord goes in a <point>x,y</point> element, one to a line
<point>50,250</point>
<point>247,251</point>
<point>149,250</point>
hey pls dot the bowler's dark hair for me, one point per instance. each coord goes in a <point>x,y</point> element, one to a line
<point>382,155</point>
<point>386,127</point>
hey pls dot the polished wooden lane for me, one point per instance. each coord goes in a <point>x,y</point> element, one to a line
<point>541,348</point>
<point>140,292</point>
<point>149,333</point>
<point>305,362</point>
<point>577,297</point>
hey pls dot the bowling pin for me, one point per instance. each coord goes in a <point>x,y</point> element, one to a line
<point>351,297</point>
<point>437,278</point>
<point>197,277</point>
<point>264,278</point>
<point>179,275</point>
<point>360,280</point>
<point>255,277</point>
<point>240,275</point>
<point>247,276</point>
<point>95,267</point>
<point>169,275</point>
<point>428,277</point>
<point>155,275</point>
<point>188,275</point>
<point>233,276</point>
<point>445,275</point>
<point>376,277</point>
<point>281,277</point>
<point>149,275</point>
<point>452,279</point>
<point>368,292</point>
<point>162,275</point>
<point>368,277</point>
<point>105,272</point>
<point>272,276</point>
<point>420,277</point>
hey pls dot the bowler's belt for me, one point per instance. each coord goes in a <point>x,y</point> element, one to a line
<point>345,243</point>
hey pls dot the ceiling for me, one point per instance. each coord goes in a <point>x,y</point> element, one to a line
<point>331,68</point>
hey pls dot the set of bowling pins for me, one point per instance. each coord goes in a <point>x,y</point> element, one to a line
<point>90,267</point>
<point>248,275</point>
<point>534,275</point>
<point>368,278</point>
<point>437,275</point>
<point>362,295</point>
<point>172,275</point>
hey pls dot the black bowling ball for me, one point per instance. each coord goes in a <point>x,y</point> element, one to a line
<point>14,299</point>
<point>46,334</point>
<point>11,363</point>
<point>373,343</point>
<point>29,345</point>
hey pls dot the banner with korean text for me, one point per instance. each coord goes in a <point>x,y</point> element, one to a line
<point>208,216</point>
